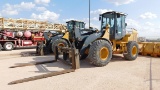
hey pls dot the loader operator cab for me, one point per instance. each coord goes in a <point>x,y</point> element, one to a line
<point>73,23</point>
<point>116,22</point>
<point>81,30</point>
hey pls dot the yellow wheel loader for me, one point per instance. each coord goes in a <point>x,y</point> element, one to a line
<point>99,45</point>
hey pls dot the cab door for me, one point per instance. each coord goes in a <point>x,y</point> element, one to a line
<point>120,27</point>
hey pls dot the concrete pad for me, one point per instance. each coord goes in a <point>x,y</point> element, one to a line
<point>17,52</point>
<point>119,74</point>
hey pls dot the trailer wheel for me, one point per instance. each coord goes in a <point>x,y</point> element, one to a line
<point>100,53</point>
<point>132,51</point>
<point>8,46</point>
<point>59,42</point>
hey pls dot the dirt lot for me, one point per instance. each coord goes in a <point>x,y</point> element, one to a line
<point>119,74</point>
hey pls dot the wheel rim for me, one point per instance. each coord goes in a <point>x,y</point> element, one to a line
<point>104,53</point>
<point>61,44</point>
<point>134,50</point>
<point>9,46</point>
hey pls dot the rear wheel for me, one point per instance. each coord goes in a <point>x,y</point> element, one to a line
<point>132,51</point>
<point>8,46</point>
<point>100,53</point>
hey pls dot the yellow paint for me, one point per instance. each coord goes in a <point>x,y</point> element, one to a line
<point>134,50</point>
<point>106,34</point>
<point>130,36</point>
<point>123,43</point>
<point>66,35</point>
<point>104,52</point>
<point>150,48</point>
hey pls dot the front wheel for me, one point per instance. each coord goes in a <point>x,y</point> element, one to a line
<point>8,46</point>
<point>100,53</point>
<point>59,42</point>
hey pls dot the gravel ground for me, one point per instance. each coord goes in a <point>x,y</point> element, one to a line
<point>119,74</point>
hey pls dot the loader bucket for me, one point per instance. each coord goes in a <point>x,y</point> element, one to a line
<point>156,50</point>
<point>149,48</point>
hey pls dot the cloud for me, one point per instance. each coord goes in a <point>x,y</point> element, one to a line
<point>68,19</point>
<point>25,5</point>
<point>148,15</point>
<point>42,1</point>
<point>9,9</point>
<point>100,11</point>
<point>22,5</point>
<point>46,15</point>
<point>149,24</point>
<point>120,2</point>
<point>9,12</point>
<point>86,21</point>
<point>41,9</point>
<point>133,24</point>
<point>146,29</point>
<point>95,18</point>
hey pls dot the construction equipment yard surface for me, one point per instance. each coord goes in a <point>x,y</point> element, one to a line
<point>119,74</point>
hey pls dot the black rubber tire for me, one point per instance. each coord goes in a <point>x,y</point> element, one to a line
<point>65,56</point>
<point>8,43</point>
<point>84,56</point>
<point>58,41</point>
<point>128,55</point>
<point>40,49</point>
<point>94,56</point>
<point>37,47</point>
<point>41,52</point>
<point>1,47</point>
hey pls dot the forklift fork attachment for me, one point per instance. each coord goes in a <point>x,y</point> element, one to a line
<point>30,64</point>
<point>41,76</point>
<point>73,55</point>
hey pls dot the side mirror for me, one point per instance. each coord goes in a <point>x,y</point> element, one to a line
<point>125,24</point>
<point>104,28</point>
<point>100,18</point>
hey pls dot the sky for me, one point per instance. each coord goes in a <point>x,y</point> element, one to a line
<point>143,15</point>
